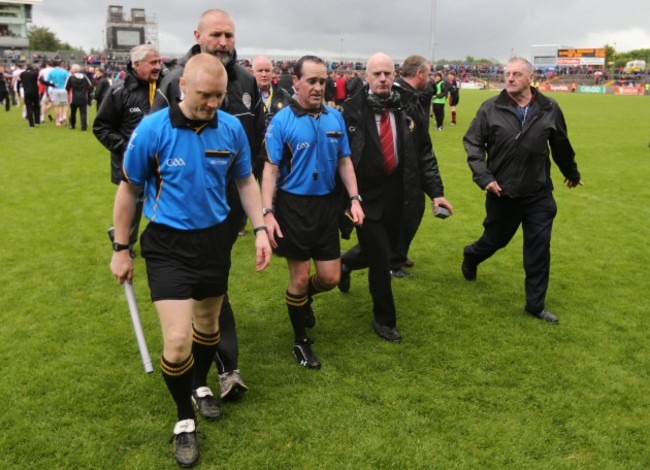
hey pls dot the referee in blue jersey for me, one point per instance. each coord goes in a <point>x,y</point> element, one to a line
<point>307,145</point>
<point>182,157</point>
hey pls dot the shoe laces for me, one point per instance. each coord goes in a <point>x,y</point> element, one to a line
<point>184,426</point>
<point>203,392</point>
<point>183,438</point>
<point>234,372</point>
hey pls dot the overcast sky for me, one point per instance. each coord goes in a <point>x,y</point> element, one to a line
<point>492,29</point>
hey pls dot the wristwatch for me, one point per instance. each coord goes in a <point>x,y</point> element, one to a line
<point>267,210</point>
<point>119,247</point>
<point>356,198</point>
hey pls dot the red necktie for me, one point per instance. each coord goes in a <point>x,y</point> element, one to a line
<point>386,140</point>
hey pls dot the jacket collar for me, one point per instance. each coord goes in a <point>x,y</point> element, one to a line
<point>537,99</point>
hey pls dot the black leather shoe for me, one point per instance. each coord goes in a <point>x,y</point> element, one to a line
<point>387,333</point>
<point>344,281</point>
<point>185,442</point>
<point>400,273</point>
<point>468,269</point>
<point>547,316</point>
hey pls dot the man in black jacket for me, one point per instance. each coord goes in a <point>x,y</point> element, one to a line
<point>123,109</point>
<point>4,89</point>
<point>273,100</point>
<point>28,80</point>
<point>78,86</point>
<point>102,86</point>
<point>285,80</point>
<point>390,170</point>
<point>354,84</point>
<point>215,34</point>
<point>411,83</point>
<point>507,147</point>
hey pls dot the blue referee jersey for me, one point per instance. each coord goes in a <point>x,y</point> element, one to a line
<point>307,148</point>
<point>184,166</point>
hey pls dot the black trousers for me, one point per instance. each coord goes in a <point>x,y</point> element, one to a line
<point>411,220</point>
<point>227,357</point>
<point>4,96</point>
<point>33,110</point>
<point>83,114</point>
<point>374,252</point>
<point>439,113</point>
<point>535,214</point>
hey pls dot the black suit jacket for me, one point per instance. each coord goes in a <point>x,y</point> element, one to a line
<point>417,169</point>
<point>382,194</point>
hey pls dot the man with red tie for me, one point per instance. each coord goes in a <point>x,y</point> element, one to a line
<point>390,168</point>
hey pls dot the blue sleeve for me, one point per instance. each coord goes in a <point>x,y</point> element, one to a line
<point>273,139</point>
<point>242,165</point>
<point>139,154</point>
<point>344,145</point>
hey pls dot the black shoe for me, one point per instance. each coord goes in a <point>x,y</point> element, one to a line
<point>304,355</point>
<point>400,273</point>
<point>345,280</point>
<point>207,405</point>
<point>186,446</point>
<point>387,333</point>
<point>547,316</point>
<point>468,269</point>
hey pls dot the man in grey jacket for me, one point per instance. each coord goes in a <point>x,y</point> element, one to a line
<point>507,147</point>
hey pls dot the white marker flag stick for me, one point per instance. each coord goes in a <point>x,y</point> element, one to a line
<point>137,327</point>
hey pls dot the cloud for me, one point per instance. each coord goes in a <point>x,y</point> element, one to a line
<point>358,28</point>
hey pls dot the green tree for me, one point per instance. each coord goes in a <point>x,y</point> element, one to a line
<point>610,56</point>
<point>42,39</point>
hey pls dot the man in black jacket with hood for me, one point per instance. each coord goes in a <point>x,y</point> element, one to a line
<point>78,86</point>
<point>122,110</point>
<point>215,35</point>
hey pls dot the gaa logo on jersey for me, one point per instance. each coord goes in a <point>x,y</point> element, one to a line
<point>175,162</point>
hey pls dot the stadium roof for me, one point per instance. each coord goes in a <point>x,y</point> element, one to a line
<point>24,2</point>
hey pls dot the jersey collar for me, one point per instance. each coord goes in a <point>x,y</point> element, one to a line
<point>179,120</point>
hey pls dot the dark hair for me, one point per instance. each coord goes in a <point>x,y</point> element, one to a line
<point>297,69</point>
<point>412,64</point>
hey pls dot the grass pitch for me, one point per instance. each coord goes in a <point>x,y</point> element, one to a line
<point>475,384</point>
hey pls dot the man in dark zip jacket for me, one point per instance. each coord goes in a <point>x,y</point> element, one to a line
<point>215,35</point>
<point>122,110</point>
<point>507,147</point>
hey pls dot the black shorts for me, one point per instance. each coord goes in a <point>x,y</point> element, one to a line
<point>454,98</point>
<point>186,264</point>
<point>310,225</point>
